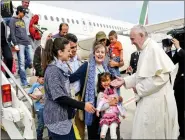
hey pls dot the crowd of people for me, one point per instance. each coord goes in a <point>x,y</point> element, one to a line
<point>70,94</point>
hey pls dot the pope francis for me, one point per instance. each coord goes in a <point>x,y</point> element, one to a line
<point>156,112</point>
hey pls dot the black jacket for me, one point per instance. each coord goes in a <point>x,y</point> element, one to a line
<point>179,58</point>
<point>133,61</point>
<point>6,8</point>
<point>3,33</point>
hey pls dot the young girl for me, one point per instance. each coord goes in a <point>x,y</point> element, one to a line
<point>110,117</point>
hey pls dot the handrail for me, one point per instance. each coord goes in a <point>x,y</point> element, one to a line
<point>17,84</point>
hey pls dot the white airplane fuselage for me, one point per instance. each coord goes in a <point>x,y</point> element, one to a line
<point>81,24</point>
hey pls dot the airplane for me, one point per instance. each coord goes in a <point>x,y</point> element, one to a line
<point>85,26</point>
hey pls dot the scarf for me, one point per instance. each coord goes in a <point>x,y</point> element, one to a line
<point>90,88</point>
<point>109,91</point>
<point>61,66</point>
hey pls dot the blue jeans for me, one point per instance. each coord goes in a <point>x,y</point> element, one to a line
<point>7,20</point>
<point>70,136</point>
<point>115,71</point>
<point>25,59</point>
<point>40,128</point>
<point>32,43</point>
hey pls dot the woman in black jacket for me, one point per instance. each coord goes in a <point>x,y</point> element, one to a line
<point>6,51</point>
<point>38,53</point>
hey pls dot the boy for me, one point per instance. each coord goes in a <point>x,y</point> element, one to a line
<point>21,44</point>
<point>36,92</point>
<point>115,52</point>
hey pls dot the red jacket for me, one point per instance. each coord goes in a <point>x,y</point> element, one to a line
<point>35,34</point>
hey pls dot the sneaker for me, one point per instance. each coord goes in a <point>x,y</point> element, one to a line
<point>30,66</point>
<point>26,86</point>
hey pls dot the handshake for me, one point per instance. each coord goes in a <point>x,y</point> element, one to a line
<point>118,82</point>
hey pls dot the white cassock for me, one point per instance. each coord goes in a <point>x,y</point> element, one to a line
<point>156,112</point>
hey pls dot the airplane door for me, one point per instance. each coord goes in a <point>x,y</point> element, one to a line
<point>84,25</point>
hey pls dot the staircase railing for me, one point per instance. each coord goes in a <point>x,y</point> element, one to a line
<point>18,87</point>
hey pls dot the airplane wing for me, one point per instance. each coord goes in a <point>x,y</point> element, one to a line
<point>164,26</point>
<point>85,47</point>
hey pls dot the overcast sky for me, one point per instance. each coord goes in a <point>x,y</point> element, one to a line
<point>125,10</point>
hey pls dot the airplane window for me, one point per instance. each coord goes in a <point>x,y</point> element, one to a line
<point>57,19</point>
<point>63,20</point>
<point>94,24</point>
<point>51,18</point>
<point>73,21</point>
<point>68,20</point>
<point>97,24</point>
<point>45,17</point>
<point>39,17</point>
<point>84,22</point>
<point>90,23</point>
<point>112,27</point>
<point>100,25</point>
<point>107,26</point>
<point>77,22</point>
<point>104,25</point>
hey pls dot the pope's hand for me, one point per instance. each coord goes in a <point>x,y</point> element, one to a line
<point>118,82</point>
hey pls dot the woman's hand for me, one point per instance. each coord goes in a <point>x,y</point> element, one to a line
<point>89,107</point>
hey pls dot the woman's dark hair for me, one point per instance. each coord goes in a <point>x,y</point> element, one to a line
<point>51,50</point>
<point>103,77</point>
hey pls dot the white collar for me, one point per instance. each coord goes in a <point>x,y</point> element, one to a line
<point>74,58</point>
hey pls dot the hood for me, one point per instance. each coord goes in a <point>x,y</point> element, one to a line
<point>34,19</point>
